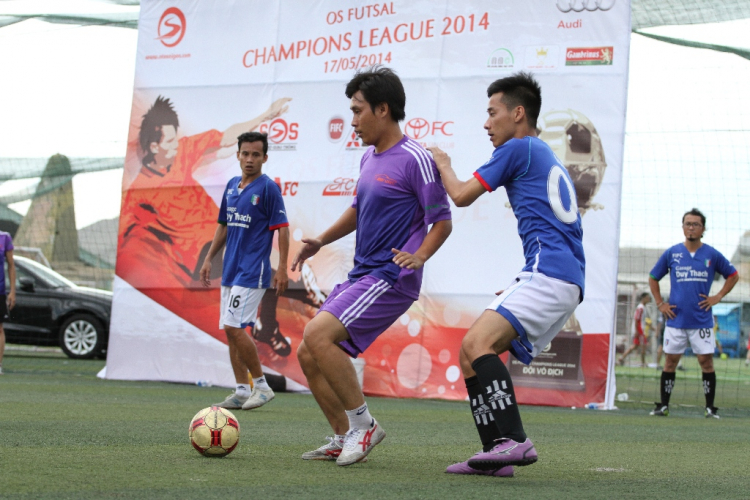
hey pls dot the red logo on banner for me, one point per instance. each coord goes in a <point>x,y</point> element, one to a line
<point>341,186</point>
<point>279,130</point>
<point>353,141</point>
<point>416,128</point>
<point>336,128</point>
<point>171,27</point>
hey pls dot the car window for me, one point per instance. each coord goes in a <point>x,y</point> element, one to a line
<point>50,277</point>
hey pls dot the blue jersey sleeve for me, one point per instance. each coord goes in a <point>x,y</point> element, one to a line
<point>223,208</point>
<point>275,210</point>
<point>723,266</point>
<point>508,162</point>
<point>661,268</point>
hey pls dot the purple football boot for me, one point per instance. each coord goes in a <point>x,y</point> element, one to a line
<point>465,468</point>
<point>506,452</point>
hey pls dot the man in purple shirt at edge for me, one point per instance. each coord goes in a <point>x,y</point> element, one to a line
<point>399,193</point>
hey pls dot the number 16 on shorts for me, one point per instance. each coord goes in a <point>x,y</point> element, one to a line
<point>239,306</point>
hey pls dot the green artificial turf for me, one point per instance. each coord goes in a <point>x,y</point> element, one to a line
<point>66,434</point>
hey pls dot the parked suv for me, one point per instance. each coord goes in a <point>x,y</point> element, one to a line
<point>53,311</point>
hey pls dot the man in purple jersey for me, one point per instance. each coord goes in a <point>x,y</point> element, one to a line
<point>7,302</point>
<point>399,194</point>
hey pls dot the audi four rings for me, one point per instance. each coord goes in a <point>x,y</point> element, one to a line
<point>581,5</point>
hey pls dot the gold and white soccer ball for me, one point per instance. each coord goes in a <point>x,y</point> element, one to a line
<point>214,432</point>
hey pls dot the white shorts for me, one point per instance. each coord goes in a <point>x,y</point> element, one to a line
<point>702,340</point>
<point>537,306</point>
<point>239,306</point>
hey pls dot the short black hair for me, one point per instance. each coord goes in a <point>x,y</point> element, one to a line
<point>519,89</point>
<point>253,137</point>
<point>695,211</point>
<point>378,85</point>
<point>161,113</point>
<point>644,294</point>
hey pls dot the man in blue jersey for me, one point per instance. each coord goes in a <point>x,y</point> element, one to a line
<point>691,266</point>
<point>527,315</point>
<point>399,194</point>
<point>251,210</point>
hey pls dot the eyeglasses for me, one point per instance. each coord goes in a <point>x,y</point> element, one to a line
<point>693,224</point>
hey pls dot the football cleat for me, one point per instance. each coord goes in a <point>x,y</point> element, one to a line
<point>329,451</point>
<point>233,402</point>
<point>258,398</point>
<point>712,412</point>
<point>358,443</point>
<point>660,410</point>
<point>506,452</point>
<point>465,468</point>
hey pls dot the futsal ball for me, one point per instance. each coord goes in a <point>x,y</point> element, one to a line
<point>214,432</point>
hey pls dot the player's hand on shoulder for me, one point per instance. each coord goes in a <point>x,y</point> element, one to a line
<point>406,259</point>
<point>442,160</point>
<point>310,248</point>
<point>206,273</point>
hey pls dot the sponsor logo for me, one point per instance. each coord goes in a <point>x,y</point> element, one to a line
<point>354,143</point>
<point>482,412</point>
<point>281,134</point>
<point>288,188</point>
<point>335,129</point>
<point>501,59</point>
<point>590,56</point>
<point>676,257</point>
<point>172,27</point>
<point>341,186</point>
<point>384,178</point>
<point>541,57</point>
<point>254,199</point>
<point>418,128</point>
<point>578,23</point>
<point>497,396</point>
<point>581,5</point>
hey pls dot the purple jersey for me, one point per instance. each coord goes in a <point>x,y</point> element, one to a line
<point>6,245</point>
<point>399,193</point>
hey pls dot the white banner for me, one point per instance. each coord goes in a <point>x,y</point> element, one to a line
<point>281,67</point>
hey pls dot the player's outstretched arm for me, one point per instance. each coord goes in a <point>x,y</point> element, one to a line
<point>279,107</point>
<point>664,307</point>
<point>281,278</point>
<point>346,224</point>
<point>220,238</point>
<point>439,232</point>
<point>463,193</point>
<point>708,302</point>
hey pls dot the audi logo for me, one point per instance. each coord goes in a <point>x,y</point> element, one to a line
<point>581,5</point>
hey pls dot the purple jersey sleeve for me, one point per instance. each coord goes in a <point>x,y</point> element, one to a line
<point>661,268</point>
<point>275,209</point>
<point>508,162</point>
<point>432,195</point>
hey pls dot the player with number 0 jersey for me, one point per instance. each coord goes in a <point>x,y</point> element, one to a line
<point>533,308</point>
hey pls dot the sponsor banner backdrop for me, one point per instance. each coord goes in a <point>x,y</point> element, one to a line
<point>203,77</point>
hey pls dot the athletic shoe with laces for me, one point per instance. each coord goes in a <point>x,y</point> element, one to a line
<point>359,442</point>
<point>506,452</point>
<point>660,410</point>
<point>329,451</point>
<point>712,412</point>
<point>465,468</point>
<point>233,402</point>
<point>258,398</point>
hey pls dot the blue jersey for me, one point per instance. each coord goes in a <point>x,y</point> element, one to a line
<point>543,200</point>
<point>399,193</point>
<point>251,216</point>
<point>690,276</point>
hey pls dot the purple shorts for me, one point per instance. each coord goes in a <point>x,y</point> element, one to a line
<point>366,308</point>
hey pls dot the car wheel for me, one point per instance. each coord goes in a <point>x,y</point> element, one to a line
<point>81,336</point>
